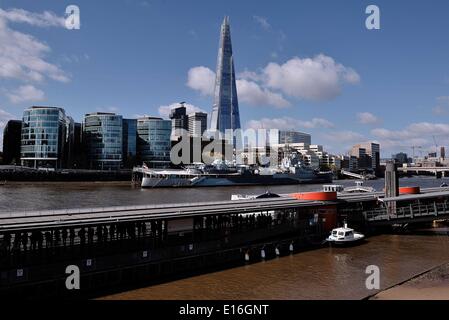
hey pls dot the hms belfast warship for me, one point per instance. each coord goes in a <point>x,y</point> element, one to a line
<point>223,174</point>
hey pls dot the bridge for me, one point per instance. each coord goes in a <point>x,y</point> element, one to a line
<point>357,175</point>
<point>438,171</point>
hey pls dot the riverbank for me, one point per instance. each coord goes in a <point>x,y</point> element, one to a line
<point>431,285</point>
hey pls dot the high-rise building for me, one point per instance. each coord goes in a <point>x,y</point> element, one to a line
<point>11,142</point>
<point>154,141</point>
<point>197,124</point>
<point>129,138</point>
<point>442,153</point>
<point>316,148</point>
<point>373,150</point>
<point>400,157</point>
<point>47,137</point>
<point>225,111</point>
<point>289,137</point>
<point>103,134</point>
<point>180,121</point>
<point>368,154</point>
<point>79,159</point>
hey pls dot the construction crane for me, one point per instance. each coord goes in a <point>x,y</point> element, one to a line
<point>414,148</point>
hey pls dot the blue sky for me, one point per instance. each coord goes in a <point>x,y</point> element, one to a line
<point>306,65</point>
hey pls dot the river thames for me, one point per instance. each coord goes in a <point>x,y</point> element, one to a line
<point>47,196</point>
<point>326,273</point>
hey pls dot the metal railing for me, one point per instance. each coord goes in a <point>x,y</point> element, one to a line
<point>407,212</point>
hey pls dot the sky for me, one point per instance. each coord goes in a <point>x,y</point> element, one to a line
<point>311,66</point>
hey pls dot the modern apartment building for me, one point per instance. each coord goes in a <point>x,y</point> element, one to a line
<point>197,124</point>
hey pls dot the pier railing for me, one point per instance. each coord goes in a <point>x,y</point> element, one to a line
<point>410,212</point>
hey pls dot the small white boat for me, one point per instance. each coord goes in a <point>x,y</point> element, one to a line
<point>344,235</point>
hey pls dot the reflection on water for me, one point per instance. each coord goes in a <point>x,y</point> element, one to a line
<point>328,273</point>
<point>18,197</point>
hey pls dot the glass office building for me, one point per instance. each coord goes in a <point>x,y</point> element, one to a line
<point>129,142</point>
<point>103,136</point>
<point>225,112</point>
<point>153,141</point>
<point>290,137</point>
<point>12,141</point>
<point>180,121</point>
<point>47,135</point>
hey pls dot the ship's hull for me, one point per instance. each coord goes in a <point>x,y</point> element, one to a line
<point>233,180</point>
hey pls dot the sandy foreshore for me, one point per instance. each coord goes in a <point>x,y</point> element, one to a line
<point>432,285</point>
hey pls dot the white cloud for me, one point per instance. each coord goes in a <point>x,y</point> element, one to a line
<point>26,93</point>
<point>414,130</point>
<point>367,118</point>
<point>442,106</point>
<point>318,78</point>
<point>4,117</point>
<point>45,19</point>
<point>416,134</point>
<point>164,111</point>
<point>263,22</point>
<point>251,93</point>
<point>201,79</point>
<point>439,110</point>
<point>405,145</point>
<point>22,56</point>
<point>288,123</point>
<point>249,75</point>
<point>345,136</point>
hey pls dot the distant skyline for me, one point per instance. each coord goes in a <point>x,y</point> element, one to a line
<point>308,65</point>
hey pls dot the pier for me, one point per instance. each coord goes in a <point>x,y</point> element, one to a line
<point>126,245</point>
<point>132,245</point>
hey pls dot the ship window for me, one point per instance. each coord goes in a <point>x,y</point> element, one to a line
<point>349,233</point>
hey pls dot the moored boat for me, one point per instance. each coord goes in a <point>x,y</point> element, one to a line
<point>221,174</point>
<point>345,236</point>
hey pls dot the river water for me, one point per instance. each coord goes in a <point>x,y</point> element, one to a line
<point>327,273</point>
<point>47,196</point>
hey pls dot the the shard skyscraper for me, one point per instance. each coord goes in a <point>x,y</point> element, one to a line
<point>225,112</point>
